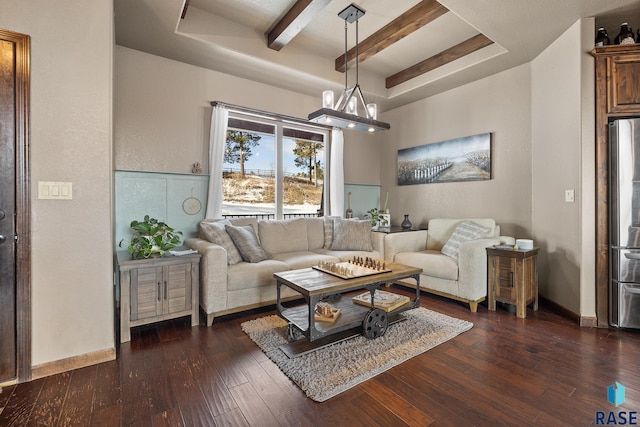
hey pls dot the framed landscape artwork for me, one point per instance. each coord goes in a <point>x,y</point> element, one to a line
<point>460,159</point>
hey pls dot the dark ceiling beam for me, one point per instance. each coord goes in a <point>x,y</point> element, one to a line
<point>405,24</point>
<point>184,9</point>
<point>298,17</point>
<point>442,58</point>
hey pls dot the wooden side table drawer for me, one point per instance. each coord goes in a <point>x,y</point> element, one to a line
<point>513,278</point>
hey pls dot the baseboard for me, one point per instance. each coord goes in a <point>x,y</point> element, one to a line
<point>589,321</point>
<point>75,362</point>
<point>583,321</point>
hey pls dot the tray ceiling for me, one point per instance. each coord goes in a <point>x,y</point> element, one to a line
<point>408,49</point>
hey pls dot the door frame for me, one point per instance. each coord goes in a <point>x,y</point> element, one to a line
<point>22,44</point>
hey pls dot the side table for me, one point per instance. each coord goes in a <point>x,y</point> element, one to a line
<point>156,289</point>
<point>513,278</point>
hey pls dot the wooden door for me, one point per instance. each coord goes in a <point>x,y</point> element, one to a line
<point>505,289</point>
<point>177,288</point>
<point>146,292</point>
<point>7,210</point>
<point>15,208</point>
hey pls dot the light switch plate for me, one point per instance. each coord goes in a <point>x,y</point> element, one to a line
<point>569,196</point>
<point>55,190</point>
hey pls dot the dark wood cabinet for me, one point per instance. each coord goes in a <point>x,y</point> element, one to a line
<point>617,94</point>
<point>157,289</point>
<point>623,83</point>
<point>513,278</point>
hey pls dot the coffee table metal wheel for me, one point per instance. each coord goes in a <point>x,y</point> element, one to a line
<point>375,323</point>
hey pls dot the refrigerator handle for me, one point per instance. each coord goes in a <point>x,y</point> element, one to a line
<point>632,291</point>
<point>632,255</point>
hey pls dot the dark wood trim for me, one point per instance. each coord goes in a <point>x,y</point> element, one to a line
<point>602,195</point>
<point>458,51</point>
<point>557,308</point>
<point>23,202</point>
<point>415,18</point>
<point>603,115</point>
<point>298,17</point>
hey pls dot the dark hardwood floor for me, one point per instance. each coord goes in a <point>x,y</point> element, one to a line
<point>543,370</point>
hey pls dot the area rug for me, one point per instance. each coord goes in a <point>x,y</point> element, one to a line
<point>331,370</point>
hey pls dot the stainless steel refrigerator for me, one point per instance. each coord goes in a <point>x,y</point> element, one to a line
<point>624,223</point>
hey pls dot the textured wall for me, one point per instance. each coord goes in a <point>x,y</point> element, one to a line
<point>499,104</point>
<point>72,277</point>
<point>162,115</point>
<point>563,147</point>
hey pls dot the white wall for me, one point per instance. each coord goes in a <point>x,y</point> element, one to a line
<point>71,75</point>
<point>499,104</point>
<point>563,148</point>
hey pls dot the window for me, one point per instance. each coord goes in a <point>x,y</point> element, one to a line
<point>272,168</point>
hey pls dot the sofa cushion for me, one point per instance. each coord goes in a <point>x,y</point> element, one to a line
<point>247,243</point>
<point>315,232</point>
<point>464,232</point>
<point>215,232</point>
<point>348,255</point>
<point>303,259</point>
<point>245,275</point>
<point>283,235</point>
<point>440,229</point>
<point>328,231</point>
<point>351,235</point>
<point>252,221</point>
<point>432,263</point>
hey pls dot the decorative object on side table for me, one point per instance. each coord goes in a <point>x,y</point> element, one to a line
<point>151,238</point>
<point>378,219</point>
<point>406,224</point>
<point>349,210</point>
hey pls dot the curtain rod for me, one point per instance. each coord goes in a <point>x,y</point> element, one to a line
<point>271,115</point>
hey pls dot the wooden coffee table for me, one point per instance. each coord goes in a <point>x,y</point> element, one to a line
<point>315,285</point>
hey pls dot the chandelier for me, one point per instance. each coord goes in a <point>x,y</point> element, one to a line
<point>344,113</point>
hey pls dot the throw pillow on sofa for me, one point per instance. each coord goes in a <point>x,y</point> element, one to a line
<point>351,235</point>
<point>465,231</point>
<point>328,231</point>
<point>215,232</point>
<point>247,243</point>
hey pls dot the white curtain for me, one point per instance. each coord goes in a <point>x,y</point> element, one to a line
<point>336,174</point>
<point>217,141</point>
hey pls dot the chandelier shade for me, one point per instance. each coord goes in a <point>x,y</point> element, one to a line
<point>344,113</point>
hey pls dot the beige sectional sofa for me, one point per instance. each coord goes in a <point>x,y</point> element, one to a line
<point>460,272</point>
<point>229,285</point>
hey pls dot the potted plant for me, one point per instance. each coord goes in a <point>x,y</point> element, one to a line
<point>151,237</point>
<point>378,219</point>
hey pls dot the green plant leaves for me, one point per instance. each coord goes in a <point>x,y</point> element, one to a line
<point>151,237</point>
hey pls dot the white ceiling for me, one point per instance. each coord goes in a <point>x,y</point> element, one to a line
<point>229,36</point>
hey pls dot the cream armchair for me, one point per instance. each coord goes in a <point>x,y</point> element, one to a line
<point>462,277</point>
